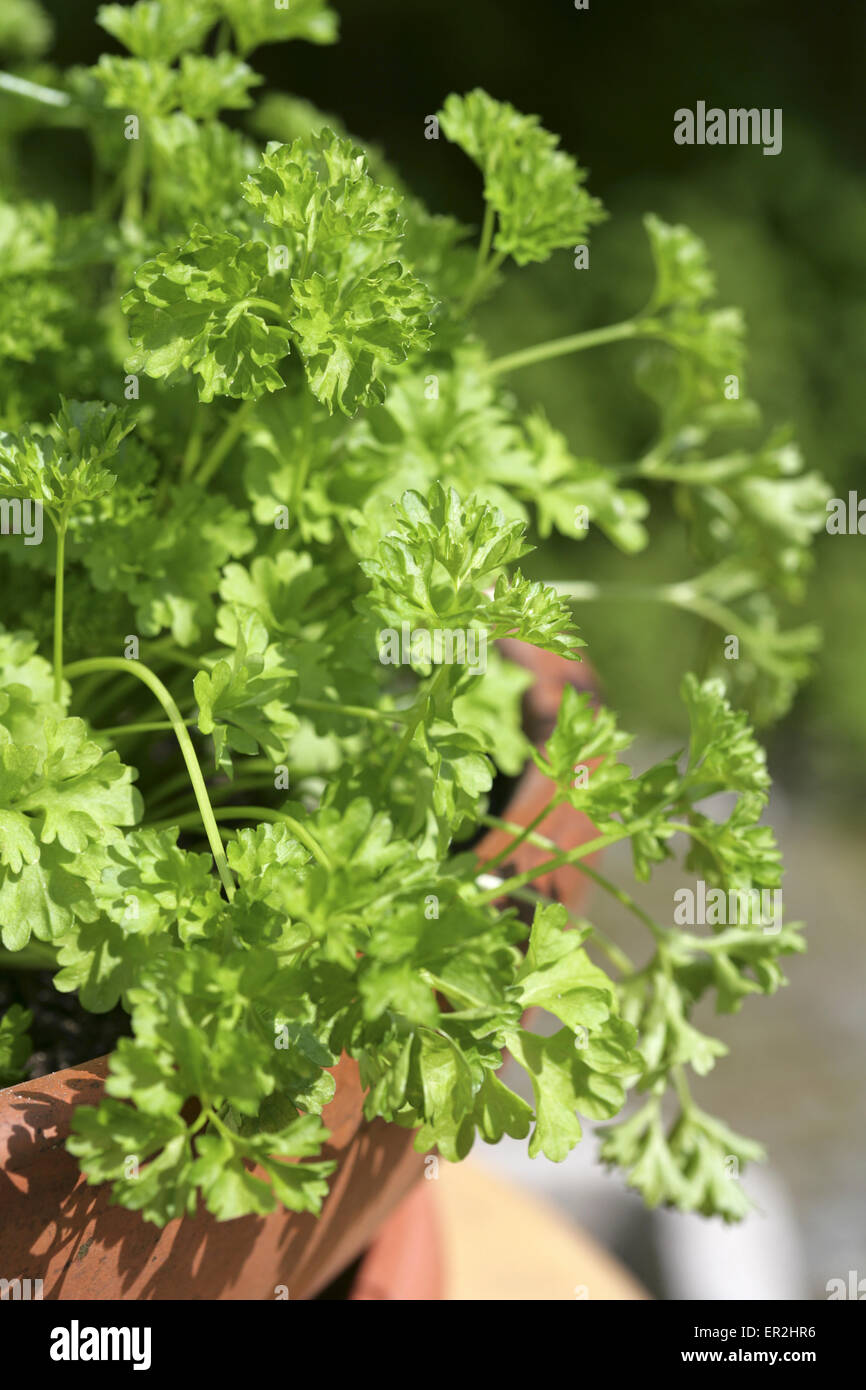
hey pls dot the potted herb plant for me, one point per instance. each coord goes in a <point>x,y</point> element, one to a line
<point>265,496</point>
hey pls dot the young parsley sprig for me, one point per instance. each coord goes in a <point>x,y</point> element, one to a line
<point>247,391</point>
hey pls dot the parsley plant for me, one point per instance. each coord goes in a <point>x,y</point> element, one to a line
<point>247,390</point>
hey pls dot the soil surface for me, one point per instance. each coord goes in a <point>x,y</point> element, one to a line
<point>63,1033</point>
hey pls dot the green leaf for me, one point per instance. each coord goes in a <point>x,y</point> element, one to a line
<point>585,741</point>
<point>15,1044</point>
<point>208,85</point>
<point>242,702</point>
<point>25,29</point>
<point>573,493</point>
<point>62,800</point>
<point>277,21</point>
<point>349,337</point>
<point>558,975</point>
<point>448,1097</point>
<point>158,29</point>
<point>535,189</point>
<point>499,1111</point>
<point>166,564</point>
<point>357,311</point>
<point>190,311</point>
<point>677,311</point>
<point>61,467</point>
<point>723,752</point>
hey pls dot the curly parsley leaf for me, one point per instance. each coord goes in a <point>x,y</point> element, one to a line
<point>535,189</point>
<point>265,22</point>
<point>191,310</point>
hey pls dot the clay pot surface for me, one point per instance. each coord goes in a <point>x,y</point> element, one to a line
<point>54,1227</point>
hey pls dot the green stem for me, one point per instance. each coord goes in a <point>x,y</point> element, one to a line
<point>692,831</point>
<point>586,591</point>
<point>58,609</point>
<point>36,955</point>
<point>684,1095</point>
<point>259,813</point>
<point>192,452</point>
<point>697,473</point>
<point>603,882</point>
<point>224,444</point>
<point>558,861</point>
<point>415,715</point>
<point>480,279</point>
<point>520,836</point>
<point>357,711</point>
<point>560,347</point>
<point>165,698</point>
<point>762,646</point>
<point>48,96</point>
<point>135,170</point>
<point>165,647</point>
<point>486,238</point>
<point>267,304</point>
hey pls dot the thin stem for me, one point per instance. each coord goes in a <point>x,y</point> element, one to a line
<point>267,304</point>
<point>558,861</point>
<point>192,452</point>
<point>224,444</point>
<point>58,609</point>
<point>543,843</point>
<point>260,813</point>
<point>696,472</point>
<point>763,646</point>
<point>520,836</point>
<point>415,715</point>
<point>135,170</point>
<point>223,38</point>
<point>48,96</point>
<point>586,591</point>
<point>166,648</point>
<point>684,1095</point>
<point>528,894</point>
<point>560,347</point>
<point>480,279</point>
<point>357,711</point>
<point>692,831</point>
<point>36,955</point>
<point>165,698</point>
<point>486,238</point>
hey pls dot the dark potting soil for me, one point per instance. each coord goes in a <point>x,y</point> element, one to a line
<point>340,1288</point>
<point>63,1033</point>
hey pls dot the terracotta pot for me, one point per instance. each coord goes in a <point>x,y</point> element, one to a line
<point>55,1228</point>
<point>565,826</point>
